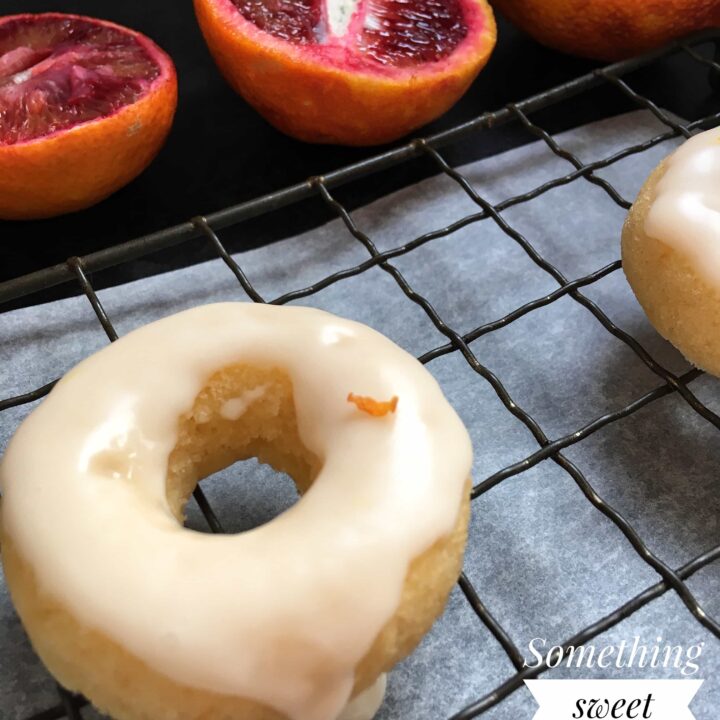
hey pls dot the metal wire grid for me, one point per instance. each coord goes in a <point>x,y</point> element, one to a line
<point>70,705</point>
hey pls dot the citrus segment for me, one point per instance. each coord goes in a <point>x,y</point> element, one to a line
<point>400,33</point>
<point>293,20</point>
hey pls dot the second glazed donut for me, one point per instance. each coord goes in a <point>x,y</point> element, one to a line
<point>671,249</point>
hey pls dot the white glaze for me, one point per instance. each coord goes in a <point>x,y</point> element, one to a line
<point>282,613</point>
<point>235,407</point>
<point>685,213</point>
<point>367,703</point>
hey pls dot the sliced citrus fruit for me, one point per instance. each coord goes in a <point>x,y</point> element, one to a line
<point>85,105</point>
<point>609,29</point>
<point>355,72</point>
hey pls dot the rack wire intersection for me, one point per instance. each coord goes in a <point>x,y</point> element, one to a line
<point>77,269</point>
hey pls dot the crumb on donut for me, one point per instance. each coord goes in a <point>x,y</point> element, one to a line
<point>376,408</point>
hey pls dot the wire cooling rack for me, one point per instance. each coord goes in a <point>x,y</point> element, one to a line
<point>77,270</point>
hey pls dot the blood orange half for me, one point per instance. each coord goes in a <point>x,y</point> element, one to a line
<point>609,29</point>
<point>85,105</point>
<point>355,72</point>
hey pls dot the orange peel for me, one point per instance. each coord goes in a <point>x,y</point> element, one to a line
<point>371,406</point>
<point>609,30</point>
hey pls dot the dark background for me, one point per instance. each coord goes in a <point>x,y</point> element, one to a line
<point>221,152</point>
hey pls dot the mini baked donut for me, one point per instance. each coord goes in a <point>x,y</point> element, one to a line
<point>671,249</point>
<point>288,621</point>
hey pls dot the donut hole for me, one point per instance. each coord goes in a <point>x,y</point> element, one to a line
<point>242,412</point>
<point>246,495</point>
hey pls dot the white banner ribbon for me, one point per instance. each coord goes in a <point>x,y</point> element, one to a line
<point>614,699</point>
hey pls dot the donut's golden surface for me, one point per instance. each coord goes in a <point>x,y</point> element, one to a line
<point>86,660</point>
<point>680,303</point>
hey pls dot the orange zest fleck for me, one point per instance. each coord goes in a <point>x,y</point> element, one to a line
<point>376,408</point>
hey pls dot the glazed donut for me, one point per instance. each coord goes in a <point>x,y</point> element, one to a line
<point>288,621</point>
<point>671,249</point>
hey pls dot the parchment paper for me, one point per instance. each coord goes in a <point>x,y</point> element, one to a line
<point>543,559</point>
